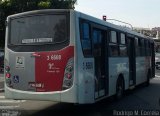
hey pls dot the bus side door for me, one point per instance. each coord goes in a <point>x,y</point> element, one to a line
<point>99,54</point>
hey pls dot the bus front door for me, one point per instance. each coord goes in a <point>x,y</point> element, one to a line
<point>100,61</point>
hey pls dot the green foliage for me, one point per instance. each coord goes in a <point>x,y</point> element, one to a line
<point>9,7</point>
<point>44,4</point>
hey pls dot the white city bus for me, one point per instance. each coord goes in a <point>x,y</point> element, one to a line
<point>68,56</point>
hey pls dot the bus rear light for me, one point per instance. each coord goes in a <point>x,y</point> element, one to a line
<point>68,74</point>
<point>69,68</point>
<point>7,68</point>
<point>8,75</point>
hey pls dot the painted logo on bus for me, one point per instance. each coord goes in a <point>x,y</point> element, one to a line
<point>20,62</point>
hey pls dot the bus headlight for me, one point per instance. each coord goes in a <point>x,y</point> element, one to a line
<point>68,74</point>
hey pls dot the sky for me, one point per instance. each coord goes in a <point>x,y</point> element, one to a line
<point>138,13</point>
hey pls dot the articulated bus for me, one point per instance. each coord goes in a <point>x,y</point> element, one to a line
<point>68,56</point>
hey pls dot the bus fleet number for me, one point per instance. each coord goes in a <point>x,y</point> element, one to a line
<point>88,65</point>
<point>54,57</point>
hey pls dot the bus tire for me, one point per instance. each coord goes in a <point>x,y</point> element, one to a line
<point>119,88</point>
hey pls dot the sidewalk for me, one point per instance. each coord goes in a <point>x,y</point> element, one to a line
<point>1,82</point>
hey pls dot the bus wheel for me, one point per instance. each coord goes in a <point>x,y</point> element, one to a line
<point>119,88</point>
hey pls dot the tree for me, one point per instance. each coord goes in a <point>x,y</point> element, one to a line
<point>9,7</point>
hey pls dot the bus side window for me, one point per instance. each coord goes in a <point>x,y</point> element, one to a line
<point>137,46</point>
<point>113,50</point>
<point>85,39</point>
<point>142,47</point>
<point>113,45</point>
<point>149,48</point>
<point>122,46</point>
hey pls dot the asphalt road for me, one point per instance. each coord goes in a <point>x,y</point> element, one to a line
<point>140,100</point>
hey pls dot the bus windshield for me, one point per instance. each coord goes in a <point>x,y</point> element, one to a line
<point>38,29</point>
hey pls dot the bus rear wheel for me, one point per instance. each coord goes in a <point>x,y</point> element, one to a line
<point>119,89</point>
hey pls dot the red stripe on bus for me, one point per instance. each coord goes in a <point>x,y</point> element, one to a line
<point>50,67</point>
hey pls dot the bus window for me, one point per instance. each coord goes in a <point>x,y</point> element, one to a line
<point>38,29</point>
<point>122,47</point>
<point>148,48</point>
<point>113,50</point>
<point>123,50</point>
<point>39,33</point>
<point>113,38</point>
<point>142,47</point>
<point>137,46</point>
<point>85,39</point>
<point>123,39</point>
<point>113,46</point>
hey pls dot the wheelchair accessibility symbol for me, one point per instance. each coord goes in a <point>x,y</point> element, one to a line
<point>16,79</point>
